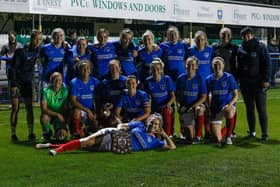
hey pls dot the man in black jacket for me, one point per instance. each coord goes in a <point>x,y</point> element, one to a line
<point>253,65</point>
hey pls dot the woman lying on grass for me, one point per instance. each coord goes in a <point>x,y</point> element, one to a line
<point>132,136</point>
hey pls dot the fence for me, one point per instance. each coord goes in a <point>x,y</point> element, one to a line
<point>275,67</point>
<point>4,85</point>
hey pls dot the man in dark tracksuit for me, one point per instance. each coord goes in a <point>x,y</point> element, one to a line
<point>253,65</point>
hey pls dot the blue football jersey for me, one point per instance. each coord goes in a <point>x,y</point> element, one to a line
<point>112,90</point>
<point>84,91</point>
<point>141,140</point>
<point>102,55</point>
<point>221,90</point>
<point>173,57</point>
<point>204,59</point>
<point>125,56</point>
<point>144,61</point>
<point>133,107</point>
<point>159,91</point>
<point>70,72</point>
<point>189,91</point>
<point>52,60</point>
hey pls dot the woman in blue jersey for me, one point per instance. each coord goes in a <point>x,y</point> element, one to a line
<point>190,96</point>
<point>202,52</point>
<point>224,94</point>
<point>133,105</point>
<point>111,90</point>
<point>80,51</point>
<point>174,54</point>
<point>103,53</point>
<point>21,75</point>
<point>142,136</point>
<point>82,96</point>
<point>126,52</point>
<point>162,91</point>
<point>146,55</point>
<point>53,55</point>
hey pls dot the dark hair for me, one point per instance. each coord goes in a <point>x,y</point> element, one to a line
<point>33,35</point>
<point>131,77</point>
<point>246,30</point>
<point>12,33</point>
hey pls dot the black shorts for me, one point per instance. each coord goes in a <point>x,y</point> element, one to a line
<point>24,90</point>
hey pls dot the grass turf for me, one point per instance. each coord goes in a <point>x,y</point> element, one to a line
<point>245,163</point>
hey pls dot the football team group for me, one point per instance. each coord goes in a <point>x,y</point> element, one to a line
<point>99,92</point>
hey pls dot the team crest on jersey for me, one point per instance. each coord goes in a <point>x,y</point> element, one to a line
<point>125,103</point>
<point>121,85</point>
<point>224,84</point>
<point>206,54</point>
<point>149,139</point>
<point>107,49</point>
<point>62,51</point>
<point>92,88</point>
<point>162,86</point>
<point>179,50</point>
<point>194,86</point>
<point>60,100</point>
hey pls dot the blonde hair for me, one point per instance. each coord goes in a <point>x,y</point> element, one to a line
<point>148,33</point>
<point>151,118</point>
<point>58,30</point>
<point>226,29</point>
<point>200,33</point>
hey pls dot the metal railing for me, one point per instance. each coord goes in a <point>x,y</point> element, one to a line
<point>275,66</point>
<point>4,84</point>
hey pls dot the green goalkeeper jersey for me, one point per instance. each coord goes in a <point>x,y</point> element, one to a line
<point>55,101</point>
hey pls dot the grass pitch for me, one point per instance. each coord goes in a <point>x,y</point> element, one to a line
<point>245,163</point>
